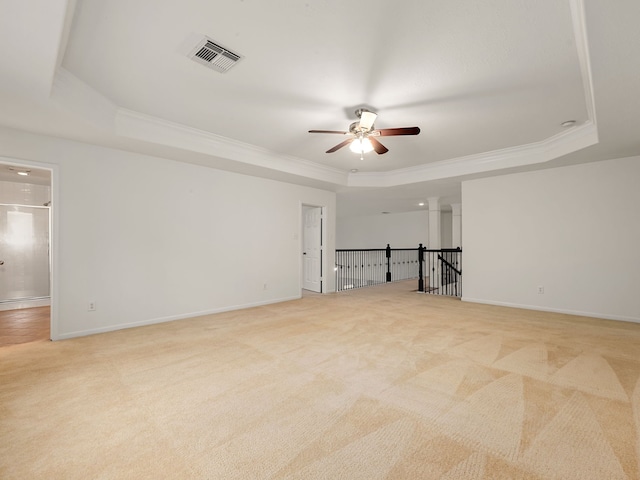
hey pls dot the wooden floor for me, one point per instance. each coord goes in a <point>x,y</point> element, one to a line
<point>24,325</point>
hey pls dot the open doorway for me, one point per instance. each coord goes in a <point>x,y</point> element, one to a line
<point>25,253</point>
<point>312,248</point>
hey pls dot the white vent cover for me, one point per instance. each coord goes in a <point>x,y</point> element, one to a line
<point>213,55</point>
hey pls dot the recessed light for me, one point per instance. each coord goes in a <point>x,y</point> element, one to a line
<point>421,204</point>
<point>354,170</point>
<point>386,213</point>
<point>20,171</point>
<point>568,123</point>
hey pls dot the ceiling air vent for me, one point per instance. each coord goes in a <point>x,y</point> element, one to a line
<point>211,54</point>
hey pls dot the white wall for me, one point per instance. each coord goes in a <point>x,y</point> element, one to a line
<point>446,229</point>
<point>400,230</point>
<point>573,230</point>
<point>150,239</point>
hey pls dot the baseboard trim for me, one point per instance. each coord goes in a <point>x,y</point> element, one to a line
<point>25,303</point>
<point>579,313</point>
<point>170,318</point>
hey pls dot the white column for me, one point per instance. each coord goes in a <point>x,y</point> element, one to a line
<point>434,223</point>
<point>433,268</point>
<point>456,225</point>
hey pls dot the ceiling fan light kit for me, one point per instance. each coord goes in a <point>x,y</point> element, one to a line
<point>363,133</point>
<point>361,145</point>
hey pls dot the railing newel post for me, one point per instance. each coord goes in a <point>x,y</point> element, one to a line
<point>420,272</point>
<point>388,263</point>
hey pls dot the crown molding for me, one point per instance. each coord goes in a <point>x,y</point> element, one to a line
<point>147,128</point>
<point>579,19</point>
<point>530,154</point>
<point>77,97</point>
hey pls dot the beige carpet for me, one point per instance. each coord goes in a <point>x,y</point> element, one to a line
<point>378,383</point>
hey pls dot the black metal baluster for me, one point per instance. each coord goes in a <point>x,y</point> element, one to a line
<point>420,276</point>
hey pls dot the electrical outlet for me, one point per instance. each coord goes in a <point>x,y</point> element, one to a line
<point>540,290</point>
<point>91,306</point>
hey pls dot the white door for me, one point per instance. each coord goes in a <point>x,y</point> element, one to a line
<point>312,249</point>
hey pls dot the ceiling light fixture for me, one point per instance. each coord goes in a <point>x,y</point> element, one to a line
<point>361,145</point>
<point>421,204</point>
<point>20,171</point>
<point>568,123</point>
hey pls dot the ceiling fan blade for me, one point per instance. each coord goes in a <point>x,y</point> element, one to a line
<point>388,132</point>
<point>367,119</point>
<point>377,146</point>
<point>328,131</point>
<point>340,145</point>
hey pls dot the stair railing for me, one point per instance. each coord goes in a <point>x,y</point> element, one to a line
<point>357,268</point>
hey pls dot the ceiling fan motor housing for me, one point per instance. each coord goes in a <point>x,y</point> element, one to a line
<point>355,128</point>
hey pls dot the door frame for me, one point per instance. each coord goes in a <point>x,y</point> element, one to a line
<point>322,244</point>
<point>54,210</point>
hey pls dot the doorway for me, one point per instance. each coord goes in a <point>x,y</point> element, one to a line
<point>312,248</point>
<point>25,248</point>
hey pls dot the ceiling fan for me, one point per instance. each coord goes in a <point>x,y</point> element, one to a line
<point>363,134</point>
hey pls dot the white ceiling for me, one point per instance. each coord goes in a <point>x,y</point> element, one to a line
<point>489,84</point>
